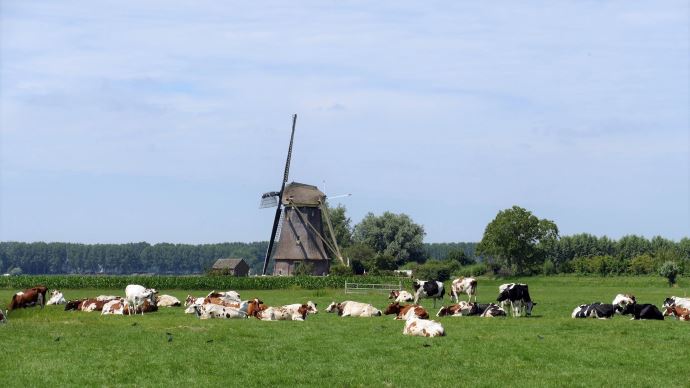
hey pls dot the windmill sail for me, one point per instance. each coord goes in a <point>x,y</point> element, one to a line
<point>276,219</point>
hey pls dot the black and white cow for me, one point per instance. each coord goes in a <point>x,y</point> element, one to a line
<point>596,310</point>
<point>643,311</point>
<point>583,310</point>
<point>518,297</point>
<point>428,289</point>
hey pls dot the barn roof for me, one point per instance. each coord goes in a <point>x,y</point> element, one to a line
<point>227,263</point>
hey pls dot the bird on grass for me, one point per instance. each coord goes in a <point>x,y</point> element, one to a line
<point>170,337</point>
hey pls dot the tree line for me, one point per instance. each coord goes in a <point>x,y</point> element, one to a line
<point>516,242</point>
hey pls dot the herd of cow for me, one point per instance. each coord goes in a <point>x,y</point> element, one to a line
<point>228,305</point>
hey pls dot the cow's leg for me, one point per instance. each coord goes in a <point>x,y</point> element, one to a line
<point>40,300</point>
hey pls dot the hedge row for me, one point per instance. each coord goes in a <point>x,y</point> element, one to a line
<point>193,282</point>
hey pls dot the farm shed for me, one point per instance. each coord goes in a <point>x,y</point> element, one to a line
<point>230,266</point>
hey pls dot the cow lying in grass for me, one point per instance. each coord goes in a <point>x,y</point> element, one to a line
<point>423,328</point>
<point>350,308</point>
<point>463,309</point>
<point>211,310</point>
<point>400,296</point>
<point>167,301</point>
<point>56,297</point>
<point>406,311</point>
<point>678,312</point>
<point>493,310</point>
<point>677,301</point>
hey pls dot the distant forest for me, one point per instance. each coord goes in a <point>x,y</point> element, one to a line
<point>142,257</point>
<point>575,253</point>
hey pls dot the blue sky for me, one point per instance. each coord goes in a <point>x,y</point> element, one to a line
<point>164,121</point>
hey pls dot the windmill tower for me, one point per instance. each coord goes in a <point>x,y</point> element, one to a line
<point>298,226</point>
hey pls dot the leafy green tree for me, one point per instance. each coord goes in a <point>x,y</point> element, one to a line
<point>516,238</point>
<point>459,256</point>
<point>392,234</point>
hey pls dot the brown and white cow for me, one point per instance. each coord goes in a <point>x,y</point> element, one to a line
<point>457,310</point>
<point>167,301</point>
<point>493,310</point>
<point>311,307</point>
<point>400,296</point>
<point>350,308</point>
<point>406,311</point>
<point>423,328</point>
<point>463,285</point>
<point>30,297</point>
<point>115,307</point>
<point>680,313</point>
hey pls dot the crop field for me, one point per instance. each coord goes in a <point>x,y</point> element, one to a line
<point>53,347</point>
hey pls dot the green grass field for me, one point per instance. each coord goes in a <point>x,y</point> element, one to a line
<point>57,348</point>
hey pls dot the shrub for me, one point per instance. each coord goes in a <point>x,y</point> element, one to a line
<point>341,270</point>
<point>670,271</point>
<point>472,270</point>
<point>641,265</point>
<point>548,268</point>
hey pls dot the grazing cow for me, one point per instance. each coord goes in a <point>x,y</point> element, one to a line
<point>643,311</point>
<point>136,294</point>
<point>30,297</point>
<point>518,297</point>
<point>167,301</point>
<point>423,328</point>
<point>354,309</point>
<point>428,289</point>
<point>406,311</point>
<point>400,296</point>
<point>3,316</point>
<point>677,301</point>
<point>463,285</point>
<point>210,310</point>
<point>493,310</point>
<point>56,297</point>
<point>678,312</point>
<point>456,310</point>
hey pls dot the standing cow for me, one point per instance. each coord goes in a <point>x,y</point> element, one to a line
<point>517,295</point>
<point>463,285</point>
<point>136,295</point>
<point>30,297</point>
<point>428,289</point>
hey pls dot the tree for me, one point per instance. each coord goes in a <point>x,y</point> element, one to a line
<point>459,256</point>
<point>517,238</point>
<point>392,234</point>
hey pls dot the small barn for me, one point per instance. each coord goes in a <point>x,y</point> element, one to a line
<point>231,267</point>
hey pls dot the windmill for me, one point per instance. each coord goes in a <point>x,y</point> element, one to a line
<point>298,224</point>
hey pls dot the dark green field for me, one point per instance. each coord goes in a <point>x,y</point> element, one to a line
<point>56,348</point>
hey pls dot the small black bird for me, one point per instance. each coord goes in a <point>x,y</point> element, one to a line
<point>209,341</point>
<point>540,337</point>
<point>169,337</point>
<point>57,338</point>
<point>134,324</point>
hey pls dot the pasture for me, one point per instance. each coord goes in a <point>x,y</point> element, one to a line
<point>54,347</point>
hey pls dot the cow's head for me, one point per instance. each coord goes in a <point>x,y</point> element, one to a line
<point>528,308</point>
<point>445,310</point>
<point>311,306</point>
<point>417,283</point>
<point>392,308</point>
<point>73,304</point>
<point>331,307</point>
<point>394,294</point>
<point>623,300</point>
<point>668,302</point>
<point>55,293</point>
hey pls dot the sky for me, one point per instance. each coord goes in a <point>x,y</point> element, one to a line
<point>164,121</point>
